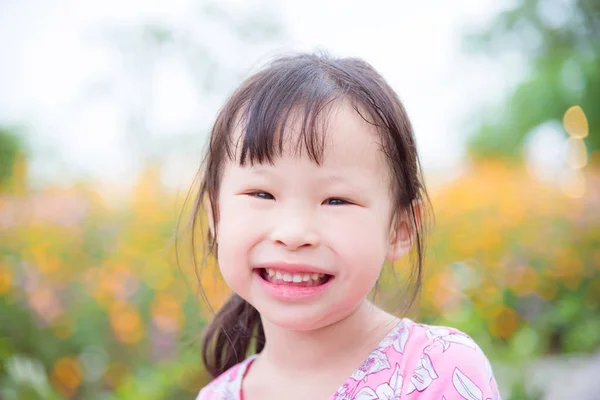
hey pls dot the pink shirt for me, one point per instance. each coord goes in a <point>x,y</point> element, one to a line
<point>413,361</point>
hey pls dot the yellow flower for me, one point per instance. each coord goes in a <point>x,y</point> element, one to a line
<point>6,279</point>
<point>523,280</point>
<point>115,374</point>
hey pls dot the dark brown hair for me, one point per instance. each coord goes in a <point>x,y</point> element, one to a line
<point>308,84</point>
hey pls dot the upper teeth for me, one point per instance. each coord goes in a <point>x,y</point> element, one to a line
<point>288,277</point>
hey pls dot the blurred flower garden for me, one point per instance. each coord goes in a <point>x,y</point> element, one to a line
<point>96,303</point>
<point>93,304</point>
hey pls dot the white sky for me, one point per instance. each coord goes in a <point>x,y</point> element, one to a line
<point>54,63</point>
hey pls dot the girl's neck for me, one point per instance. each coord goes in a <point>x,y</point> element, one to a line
<point>294,351</point>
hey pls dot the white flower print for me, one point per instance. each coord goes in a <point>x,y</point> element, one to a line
<point>465,386</point>
<point>397,338</point>
<point>366,394</point>
<point>386,391</point>
<point>224,388</point>
<point>436,331</point>
<point>344,392</point>
<point>422,376</point>
<point>443,336</point>
<point>376,362</point>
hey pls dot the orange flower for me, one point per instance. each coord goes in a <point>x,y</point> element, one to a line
<point>126,322</point>
<point>66,375</point>
<point>503,322</point>
<point>166,313</point>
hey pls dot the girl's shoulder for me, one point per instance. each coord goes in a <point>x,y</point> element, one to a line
<point>435,360</point>
<point>429,337</point>
<point>226,386</point>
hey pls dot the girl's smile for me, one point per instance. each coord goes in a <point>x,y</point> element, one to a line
<point>293,286</point>
<point>293,281</point>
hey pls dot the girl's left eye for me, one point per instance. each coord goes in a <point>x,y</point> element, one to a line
<point>335,202</point>
<point>262,195</point>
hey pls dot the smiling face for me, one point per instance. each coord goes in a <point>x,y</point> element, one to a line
<point>305,243</point>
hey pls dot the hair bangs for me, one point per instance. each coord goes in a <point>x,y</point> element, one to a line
<point>286,112</point>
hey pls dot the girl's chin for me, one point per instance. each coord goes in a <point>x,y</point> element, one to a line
<point>297,325</point>
<point>306,319</point>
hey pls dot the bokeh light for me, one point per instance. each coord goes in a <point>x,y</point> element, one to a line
<point>576,123</point>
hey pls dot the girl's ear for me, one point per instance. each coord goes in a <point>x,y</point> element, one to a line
<point>403,232</point>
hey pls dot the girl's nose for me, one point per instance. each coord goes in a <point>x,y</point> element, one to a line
<point>295,232</point>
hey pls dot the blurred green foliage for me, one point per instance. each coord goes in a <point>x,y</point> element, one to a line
<point>10,145</point>
<point>559,42</point>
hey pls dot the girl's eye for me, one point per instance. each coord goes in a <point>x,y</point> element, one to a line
<point>335,202</point>
<point>262,195</point>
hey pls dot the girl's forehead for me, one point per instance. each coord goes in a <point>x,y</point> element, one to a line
<point>347,133</point>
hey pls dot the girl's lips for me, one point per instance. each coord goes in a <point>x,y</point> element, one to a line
<point>293,291</point>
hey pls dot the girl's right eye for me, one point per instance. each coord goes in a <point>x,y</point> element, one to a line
<point>262,195</point>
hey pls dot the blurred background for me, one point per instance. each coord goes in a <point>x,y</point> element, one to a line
<point>104,113</point>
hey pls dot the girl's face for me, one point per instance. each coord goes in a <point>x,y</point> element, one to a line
<point>305,243</point>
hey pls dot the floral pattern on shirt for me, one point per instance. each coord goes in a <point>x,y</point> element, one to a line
<point>413,362</point>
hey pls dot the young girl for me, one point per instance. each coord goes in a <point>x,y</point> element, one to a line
<point>311,183</point>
